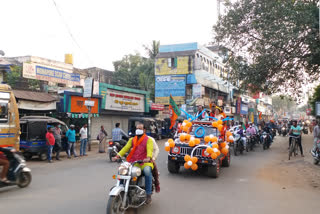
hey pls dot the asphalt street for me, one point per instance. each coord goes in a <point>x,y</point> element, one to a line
<point>256,182</point>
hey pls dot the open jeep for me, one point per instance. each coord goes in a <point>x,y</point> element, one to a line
<point>198,130</point>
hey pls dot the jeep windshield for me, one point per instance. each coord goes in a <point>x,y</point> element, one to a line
<point>207,129</point>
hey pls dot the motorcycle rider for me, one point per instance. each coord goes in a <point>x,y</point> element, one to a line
<point>117,134</point>
<point>141,148</point>
<point>295,130</point>
<point>5,164</point>
<point>316,134</point>
<point>243,137</point>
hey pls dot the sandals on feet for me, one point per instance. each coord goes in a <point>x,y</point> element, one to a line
<point>4,180</point>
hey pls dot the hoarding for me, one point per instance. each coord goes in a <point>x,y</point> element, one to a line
<point>77,105</point>
<point>157,107</point>
<point>174,85</point>
<point>88,87</point>
<point>196,91</point>
<point>124,101</point>
<point>50,74</point>
<point>164,66</point>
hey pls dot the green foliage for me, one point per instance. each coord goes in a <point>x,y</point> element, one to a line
<point>283,104</point>
<point>271,43</point>
<point>34,84</point>
<point>153,50</point>
<point>14,76</point>
<point>315,98</point>
<point>135,71</point>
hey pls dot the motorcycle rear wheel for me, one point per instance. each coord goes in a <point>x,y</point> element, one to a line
<point>111,155</point>
<point>114,205</point>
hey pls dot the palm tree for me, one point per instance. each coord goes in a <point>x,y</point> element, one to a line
<point>153,50</point>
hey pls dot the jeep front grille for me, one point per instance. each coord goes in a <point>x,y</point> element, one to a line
<point>187,151</point>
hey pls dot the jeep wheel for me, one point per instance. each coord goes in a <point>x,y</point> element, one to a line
<point>226,160</point>
<point>213,171</point>
<point>173,167</point>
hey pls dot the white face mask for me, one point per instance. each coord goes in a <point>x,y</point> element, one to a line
<point>139,132</point>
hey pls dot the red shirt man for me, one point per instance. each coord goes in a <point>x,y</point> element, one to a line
<point>50,138</point>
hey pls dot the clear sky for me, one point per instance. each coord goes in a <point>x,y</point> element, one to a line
<point>104,29</point>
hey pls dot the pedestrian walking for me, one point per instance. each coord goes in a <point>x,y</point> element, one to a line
<point>83,140</point>
<point>316,134</point>
<point>57,137</point>
<point>71,135</point>
<point>153,128</point>
<point>102,140</point>
<point>50,143</point>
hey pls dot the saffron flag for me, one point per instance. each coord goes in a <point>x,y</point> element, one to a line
<point>174,111</point>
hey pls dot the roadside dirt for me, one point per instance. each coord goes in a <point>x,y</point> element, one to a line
<point>299,172</point>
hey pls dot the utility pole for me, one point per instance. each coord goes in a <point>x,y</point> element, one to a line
<point>88,90</point>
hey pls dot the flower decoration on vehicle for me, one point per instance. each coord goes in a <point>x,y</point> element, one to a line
<point>186,126</point>
<point>229,136</point>
<point>190,162</point>
<point>169,144</point>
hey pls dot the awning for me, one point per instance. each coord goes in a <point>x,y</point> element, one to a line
<point>37,106</point>
<point>34,96</point>
<point>209,80</point>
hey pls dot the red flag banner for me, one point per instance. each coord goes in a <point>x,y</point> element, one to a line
<point>174,111</point>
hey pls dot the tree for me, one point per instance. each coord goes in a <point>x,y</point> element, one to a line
<point>153,49</point>
<point>14,75</point>
<point>272,45</point>
<point>315,98</point>
<point>135,71</point>
<point>282,104</point>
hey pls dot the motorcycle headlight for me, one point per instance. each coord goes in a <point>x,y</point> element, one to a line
<point>135,171</point>
<point>123,169</point>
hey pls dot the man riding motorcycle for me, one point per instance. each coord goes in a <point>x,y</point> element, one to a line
<point>142,149</point>
<point>4,163</point>
<point>295,131</point>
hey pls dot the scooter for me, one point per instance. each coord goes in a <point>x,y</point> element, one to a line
<point>238,144</point>
<point>129,191</point>
<point>18,173</point>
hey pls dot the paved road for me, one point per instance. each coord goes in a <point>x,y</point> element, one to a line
<point>252,184</point>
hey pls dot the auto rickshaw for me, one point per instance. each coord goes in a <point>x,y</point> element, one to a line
<point>33,135</point>
<point>146,121</point>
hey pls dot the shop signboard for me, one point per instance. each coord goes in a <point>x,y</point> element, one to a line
<point>238,106</point>
<point>317,108</point>
<point>157,107</point>
<point>196,91</point>
<point>78,105</point>
<point>174,85</point>
<point>244,109</point>
<point>124,101</point>
<point>50,74</point>
<point>88,87</point>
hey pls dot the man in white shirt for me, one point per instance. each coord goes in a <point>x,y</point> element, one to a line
<point>83,140</point>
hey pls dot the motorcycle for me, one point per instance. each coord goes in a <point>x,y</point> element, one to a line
<point>116,146</point>
<point>238,144</point>
<point>265,141</point>
<point>129,191</point>
<point>316,154</point>
<point>305,130</point>
<point>250,142</point>
<point>283,131</point>
<point>18,173</point>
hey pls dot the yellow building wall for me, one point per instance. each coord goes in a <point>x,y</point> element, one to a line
<point>182,66</point>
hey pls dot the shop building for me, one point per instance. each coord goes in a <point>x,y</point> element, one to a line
<point>118,104</point>
<point>193,75</point>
